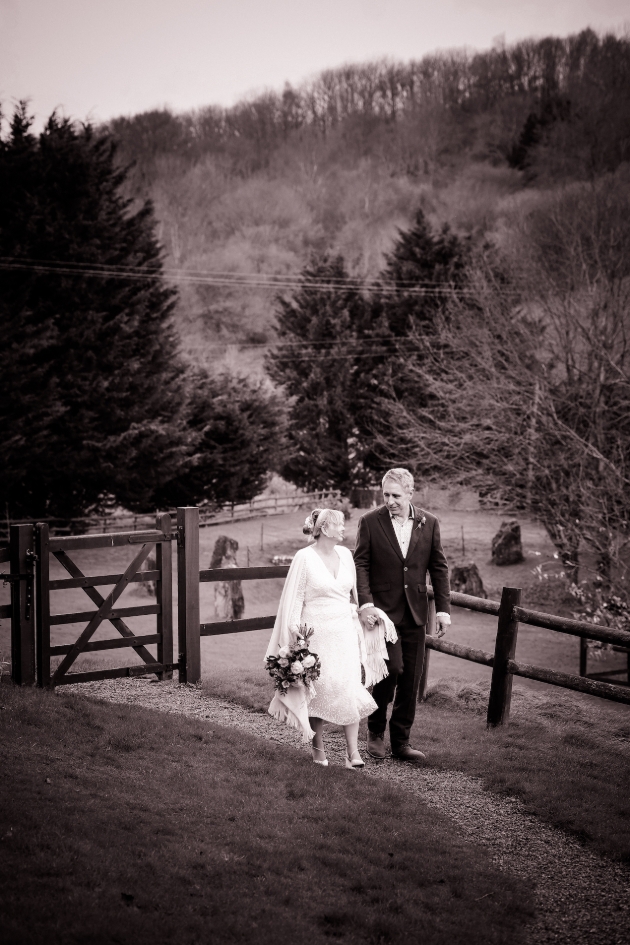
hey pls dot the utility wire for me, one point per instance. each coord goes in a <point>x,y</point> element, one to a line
<point>58,265</point>
<point>221,278</point>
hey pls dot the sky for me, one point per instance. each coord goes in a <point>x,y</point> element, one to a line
<point>95,59</point>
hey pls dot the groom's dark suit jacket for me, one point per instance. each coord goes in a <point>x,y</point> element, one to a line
<point>387,579</point>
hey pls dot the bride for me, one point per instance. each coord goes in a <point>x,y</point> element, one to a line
<point>320,593</point>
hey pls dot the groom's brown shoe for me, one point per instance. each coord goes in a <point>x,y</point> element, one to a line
<point>406,753</point>
<point>376,746</point>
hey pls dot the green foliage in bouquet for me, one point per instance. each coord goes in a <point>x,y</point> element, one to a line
<point>294,664</point>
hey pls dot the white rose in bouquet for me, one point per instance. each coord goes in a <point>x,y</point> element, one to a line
<point>308,661</point>
<point>297,668</point>
<point>283,651</point>
<point>283,662</point>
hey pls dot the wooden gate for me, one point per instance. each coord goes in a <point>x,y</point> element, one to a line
<point>59,547</point>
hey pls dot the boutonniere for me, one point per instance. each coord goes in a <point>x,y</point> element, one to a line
<point>423,521</point>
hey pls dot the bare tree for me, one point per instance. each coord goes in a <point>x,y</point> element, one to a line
<point>528,378</point>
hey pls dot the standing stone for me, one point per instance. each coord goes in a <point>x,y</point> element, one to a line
<point>506,544</point>
<point>467,580</point>
<point>229,603</point>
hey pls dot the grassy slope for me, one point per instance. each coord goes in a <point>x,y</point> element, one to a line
<point>124,825</point>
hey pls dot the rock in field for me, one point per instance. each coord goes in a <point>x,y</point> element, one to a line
<point>506,544</point>
<point>467,580</point>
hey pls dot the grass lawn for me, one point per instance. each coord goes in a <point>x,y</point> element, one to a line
<point>124,825</point>
<point>569,765</point>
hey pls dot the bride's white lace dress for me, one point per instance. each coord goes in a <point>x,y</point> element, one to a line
<point>323,602</point>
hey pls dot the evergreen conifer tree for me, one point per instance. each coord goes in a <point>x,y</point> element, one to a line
<point>91,385</point>
<point>342,354</point>
<point>419,277</point>
<point>236,429</point>
<point>314,363</point>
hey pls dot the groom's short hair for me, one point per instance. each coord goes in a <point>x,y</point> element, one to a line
<point>402,476</point>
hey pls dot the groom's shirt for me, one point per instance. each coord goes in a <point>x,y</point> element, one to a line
<point>403,530</point>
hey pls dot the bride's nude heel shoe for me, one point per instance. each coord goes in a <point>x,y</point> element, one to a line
<point>316,760</point>
<point>354,761</point>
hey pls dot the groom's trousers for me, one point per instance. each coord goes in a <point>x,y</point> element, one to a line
<point>405,663</point>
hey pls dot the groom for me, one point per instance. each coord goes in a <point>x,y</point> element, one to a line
<point>396,545</point>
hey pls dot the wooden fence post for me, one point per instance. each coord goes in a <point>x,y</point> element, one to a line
<point>42,548</point>
<point>22,605</point>
<point>164,595</point>
<point>504,650</point>
<point>188,621</point>
<point>583,656</point>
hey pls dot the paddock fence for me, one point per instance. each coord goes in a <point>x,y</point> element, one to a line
<point>261,506</point>
<point>29,552</point>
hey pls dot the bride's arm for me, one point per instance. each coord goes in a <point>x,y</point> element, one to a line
<point>295,613</point>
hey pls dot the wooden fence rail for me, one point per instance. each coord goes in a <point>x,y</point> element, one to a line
<point>505,667</point>
<point>112,523</point>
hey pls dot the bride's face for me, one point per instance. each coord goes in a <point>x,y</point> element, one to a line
<point>335,530</point>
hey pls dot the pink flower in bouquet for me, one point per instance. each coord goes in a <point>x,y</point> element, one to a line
<point>283,662</point>
<point>297,668</point>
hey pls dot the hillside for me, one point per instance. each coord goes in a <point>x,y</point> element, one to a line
<point>250,193</point>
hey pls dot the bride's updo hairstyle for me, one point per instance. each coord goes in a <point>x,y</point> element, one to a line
<point>317,521</point>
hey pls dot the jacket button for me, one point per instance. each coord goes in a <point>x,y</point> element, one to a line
<point>406,569</point>
<point>405,587</point>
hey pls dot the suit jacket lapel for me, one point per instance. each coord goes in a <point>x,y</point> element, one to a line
<point>386,524</point>
<point>415,532</point>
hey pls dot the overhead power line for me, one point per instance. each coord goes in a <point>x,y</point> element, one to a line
<point>225,279</point>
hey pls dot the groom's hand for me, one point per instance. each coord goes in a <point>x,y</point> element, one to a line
<point>441,625</point>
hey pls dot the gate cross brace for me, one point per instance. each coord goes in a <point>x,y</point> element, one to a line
<point>105,605</point>
<point>64,558</point>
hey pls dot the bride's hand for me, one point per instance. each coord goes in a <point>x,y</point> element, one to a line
<point>368,617</point>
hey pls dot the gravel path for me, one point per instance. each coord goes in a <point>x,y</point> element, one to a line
<point>581,898</point>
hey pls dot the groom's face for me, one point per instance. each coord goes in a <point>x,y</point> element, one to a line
<point>396,498</point>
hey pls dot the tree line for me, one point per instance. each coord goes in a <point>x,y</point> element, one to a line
<point>551,106</point>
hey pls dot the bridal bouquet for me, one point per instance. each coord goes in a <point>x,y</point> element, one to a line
<point>295,664</point>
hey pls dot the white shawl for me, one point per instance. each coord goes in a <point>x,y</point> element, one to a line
<point>292,707</point>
